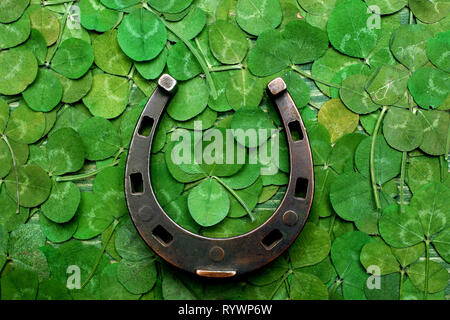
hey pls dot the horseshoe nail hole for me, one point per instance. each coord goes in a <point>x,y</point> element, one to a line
<point>162,235</point>
<point>146,126</point>
<point>137,183</point>
<point>272,239</point>
<point>296,131</point>
<point>301,188</point>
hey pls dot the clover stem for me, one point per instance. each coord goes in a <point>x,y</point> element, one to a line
<point>333,220</point>
<point>194,51</point>
<point>203,53</point>
<point>130,77</point>
<point>427,268</point>
<point>45,3</point>
<point>63,26</point>
<point>238,66</point>
<point>402,181</point>
<point>372,158</point>
<point>131,74</point>
<point>336,285</point>
<point>285,276</point>
<point>402,275</point>
<point>236,196</point>
<point>86,175</point>
<point>97,262</point>
<point>447,149</point>
<point>444,166</point>
<point>119,153</point>
<point>315,106</point>
<point>15,171</point>
<point>194,184</point>
<point>310,76</point>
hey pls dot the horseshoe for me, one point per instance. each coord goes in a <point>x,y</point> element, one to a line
<point>210,257</point>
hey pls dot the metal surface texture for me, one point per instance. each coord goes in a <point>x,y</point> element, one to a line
<point>209,257</point>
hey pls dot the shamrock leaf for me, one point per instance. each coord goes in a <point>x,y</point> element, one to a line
<point>46,22</point>
<point>33,186</point>
<point>327,66</point>
<point>429,11</point>
<point>345,252</point>
<point>400,230</point>
<point>355,39</point>
<point>130,245</point>
<point>257,16</point>
<point>19,284</point>
<point>108,55</point>
<point>193,93</point>
<point>12,10</point>
<point>421,171</point>
<point>402,130</point>
<point>108,187</point>
<point>354,95</point>
<point>9,218</point>
<point>312,246</point>
<point>337,119</point>
<point>171,188</point>
<point>429,87</point>
<point>170,7</point>
<point>243,90</point>
<point>343,192</point>
<point>227,42</point>
<point>436,50</point>
<point>181,63</point>
<point>53,290</point>
<point>389,290</point>
<point>58,232</point>
<point>408,45</point>
<point>15,33</point>
<point>388,84</point>
<point>93,217</point>
<point>18,70</point>
<point>436,279</point>
<point>380,255</point>
<point>306,286</point>
<point>433,218</point>
<point>73,58</point>
<point>99,137</point>
<point>108,97</point>
<point>276,50</point>
<point>387,161</point>
<point>387,6</point>
<point>137,277</point>
<point>435,124</point>
<point>208,203</point>
<point>190,25</point>
<point>152,69</point>
<point>110,287</point>
<point>66,194</point>
<point>142,35</point>
<point>252,118</point>
<point>75,90</point>
<point>95,16</point>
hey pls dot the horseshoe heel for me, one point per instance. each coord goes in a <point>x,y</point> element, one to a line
<point>209,257</point>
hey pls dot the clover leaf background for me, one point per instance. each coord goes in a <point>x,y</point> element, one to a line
<point>76,75</point>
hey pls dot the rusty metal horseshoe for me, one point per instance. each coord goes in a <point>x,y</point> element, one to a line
<point>210,257</point>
